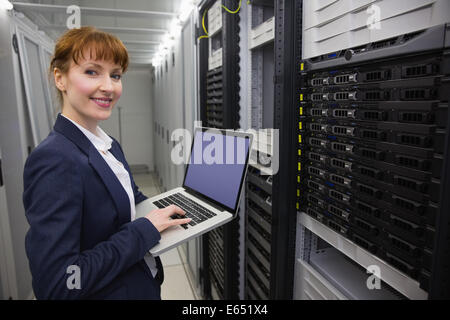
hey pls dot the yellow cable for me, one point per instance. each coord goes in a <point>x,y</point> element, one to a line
<point>228,10</point>
<point>233,12</point>
<point>204,27</point>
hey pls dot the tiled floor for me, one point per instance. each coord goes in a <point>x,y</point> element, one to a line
<point>176,284</point>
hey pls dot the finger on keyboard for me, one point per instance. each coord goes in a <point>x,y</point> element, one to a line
<point>182,222</point>
<point>173,209</point>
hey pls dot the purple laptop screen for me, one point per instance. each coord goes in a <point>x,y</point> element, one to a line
<point>216,166</point>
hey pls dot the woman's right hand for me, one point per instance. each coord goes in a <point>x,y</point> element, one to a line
<point>161,218</point>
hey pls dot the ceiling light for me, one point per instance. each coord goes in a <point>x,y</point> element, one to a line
<point>174,30</point>
<point>156,61</point>
<point>5,4</point>
<point>186,8</point>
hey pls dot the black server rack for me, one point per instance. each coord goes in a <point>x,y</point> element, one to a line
<point>270,201</point>
<point>214,104</point>
<point>258,232</point>
<point>219,108</point>
<point>372,137</point>
<point>258,205</point>
<point>288,50</point>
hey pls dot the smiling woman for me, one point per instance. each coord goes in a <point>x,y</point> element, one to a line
<point>77,42</point>
<point>79,195</point>
<point>87,67</point>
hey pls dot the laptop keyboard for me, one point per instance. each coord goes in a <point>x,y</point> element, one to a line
<point>196,212</point>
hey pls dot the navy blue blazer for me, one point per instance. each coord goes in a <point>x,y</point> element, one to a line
<point>79,215</point>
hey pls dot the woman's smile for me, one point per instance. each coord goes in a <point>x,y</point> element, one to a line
<point>102,102</point>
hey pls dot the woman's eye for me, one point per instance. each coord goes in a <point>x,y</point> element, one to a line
<point>90,72</point>
<point>117,76</point>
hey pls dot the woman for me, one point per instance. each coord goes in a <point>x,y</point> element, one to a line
<point>79,196</point>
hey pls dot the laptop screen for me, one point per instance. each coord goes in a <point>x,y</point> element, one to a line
<point>217,165</point>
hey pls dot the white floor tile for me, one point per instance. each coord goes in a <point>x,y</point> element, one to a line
<point>171,258</point>
<point>176,285</point>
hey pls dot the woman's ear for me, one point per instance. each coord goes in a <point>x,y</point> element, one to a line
<point>59,79</point>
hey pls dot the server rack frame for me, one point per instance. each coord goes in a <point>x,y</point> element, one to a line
<point>440,281</point>
<point>258,211</point>
<point>230,74</point>
<point>288,27</point>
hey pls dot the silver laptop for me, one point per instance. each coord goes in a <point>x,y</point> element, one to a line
<point>211,189</point>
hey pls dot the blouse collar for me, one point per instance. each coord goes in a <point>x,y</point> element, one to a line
<point>101,141</point>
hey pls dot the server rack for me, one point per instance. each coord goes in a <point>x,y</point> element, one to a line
<point>258,204</point>
<point>26,119</point>
<point>372,134</point>
<point>270,217</point>
<point>271,214</point>
<point>270,222</point>
<point>219,108</point>
<point>258,235</point>
<point>287,52</point>
<point>440,281</point>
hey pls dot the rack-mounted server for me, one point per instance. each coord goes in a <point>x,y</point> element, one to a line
<point>371,149</point>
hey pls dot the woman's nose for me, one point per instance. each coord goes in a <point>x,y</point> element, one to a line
<point>106,84</point>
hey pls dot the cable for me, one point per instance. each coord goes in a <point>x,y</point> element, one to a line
<point>233,12</point>
<point>206,35</point>
<point>204,28</point>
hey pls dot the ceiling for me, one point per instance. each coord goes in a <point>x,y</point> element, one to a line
<point>140,24</point>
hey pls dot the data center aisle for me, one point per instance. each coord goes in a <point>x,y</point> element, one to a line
<point>176,284</point>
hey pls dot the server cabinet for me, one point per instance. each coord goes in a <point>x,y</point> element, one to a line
<point>219,108</point>
<point>275,44</point>
<point>372,132</point>
<point>258,240</point>
<point>287,51</point>
<point>258,205</point>
<point>25,60</point>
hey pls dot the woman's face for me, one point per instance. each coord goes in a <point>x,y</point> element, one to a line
<point>90,89</point>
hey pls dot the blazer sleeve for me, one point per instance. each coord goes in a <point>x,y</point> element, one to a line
<point>53,201</point>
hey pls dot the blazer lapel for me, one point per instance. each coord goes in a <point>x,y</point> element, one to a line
<point>118,155</point>
<point>112,184</point>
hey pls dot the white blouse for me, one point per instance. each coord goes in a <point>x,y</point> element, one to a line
<point>102,142</point>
